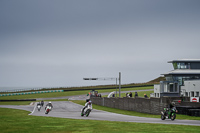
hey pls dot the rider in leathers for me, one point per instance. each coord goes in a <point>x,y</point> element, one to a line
<point>170,106</point>
<point>49,104</point>
<point>89,103</point>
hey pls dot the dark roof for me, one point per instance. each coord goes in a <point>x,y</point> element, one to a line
<point>185,60</point>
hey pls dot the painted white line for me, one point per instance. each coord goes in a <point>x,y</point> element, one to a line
<point>33,110</point>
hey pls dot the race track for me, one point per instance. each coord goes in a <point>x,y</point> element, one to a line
<point>67,109</point>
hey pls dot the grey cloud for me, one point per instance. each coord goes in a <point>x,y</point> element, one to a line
<point>48,43</point>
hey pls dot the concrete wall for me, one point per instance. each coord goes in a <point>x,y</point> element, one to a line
<point>138,104</point>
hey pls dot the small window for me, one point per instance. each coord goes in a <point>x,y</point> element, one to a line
<point>176,87</point>
<point>192,93</point>
<point>188,65</point>
<point>171,87</point>
<point>197,94</point>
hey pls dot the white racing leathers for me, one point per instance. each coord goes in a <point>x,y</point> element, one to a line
<point>86,110</point>
<point>38,107</point>
<point>48,108</point>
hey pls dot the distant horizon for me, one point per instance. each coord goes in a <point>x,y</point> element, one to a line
<point>10,88</point>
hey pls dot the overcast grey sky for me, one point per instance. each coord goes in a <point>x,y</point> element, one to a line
<point>54,43</point>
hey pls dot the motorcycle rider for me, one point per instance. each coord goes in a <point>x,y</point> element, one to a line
<point>42,103</point>
<point>38,106</point>
<point>49,104</point>
<point>38,103</point>
<point>89,103</point>
<point>170,106</point>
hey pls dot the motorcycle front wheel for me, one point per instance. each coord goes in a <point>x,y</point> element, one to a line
<point>173,117</point>
<point>87,113</point>
<point>47,112</point>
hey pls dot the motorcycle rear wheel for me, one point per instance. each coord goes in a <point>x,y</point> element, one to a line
<point>163,117</point>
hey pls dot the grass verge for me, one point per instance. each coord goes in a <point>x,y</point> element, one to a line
<point>13,120</point>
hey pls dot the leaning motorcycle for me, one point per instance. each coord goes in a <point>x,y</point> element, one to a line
<point>169,113</point>
<point>86,111</point>
<point>38,107</point>
<point>47,109</point>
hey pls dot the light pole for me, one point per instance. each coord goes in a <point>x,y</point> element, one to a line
<point>119,84</point>
<point>109,79</point>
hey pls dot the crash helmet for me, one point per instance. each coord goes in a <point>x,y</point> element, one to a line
<point>173,103</point>
<point>90,102</point>
<point>50,102</point>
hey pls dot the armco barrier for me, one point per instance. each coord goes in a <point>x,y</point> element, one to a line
<point>27,93</point>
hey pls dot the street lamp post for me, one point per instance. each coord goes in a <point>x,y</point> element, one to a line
<point>119,84</point>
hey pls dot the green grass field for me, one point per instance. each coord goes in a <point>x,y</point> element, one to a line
<point>13,120</point>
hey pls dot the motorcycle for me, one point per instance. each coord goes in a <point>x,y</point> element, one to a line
<point>38,107</point>
<point>86,111</point>
<point>47,109</point>
<point>169,113</point>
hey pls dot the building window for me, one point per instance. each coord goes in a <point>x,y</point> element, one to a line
<point>197,94</point>
<point>184,78</point>
<point>180,80</point>
<point>188,65</point>
<point>165,88</point>
<point>192,93</point>
<point>176,87</point>
<point>181,65</point>
<point>169,78</point>
<point>171,87</point>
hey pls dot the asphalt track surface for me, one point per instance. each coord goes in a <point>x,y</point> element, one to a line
<point>68,109</point>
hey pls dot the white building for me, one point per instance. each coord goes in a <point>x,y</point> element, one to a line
<point>191,88</point>
<point>180,80</point>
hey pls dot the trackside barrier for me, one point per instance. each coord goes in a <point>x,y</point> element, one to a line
<point>27,93</point>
